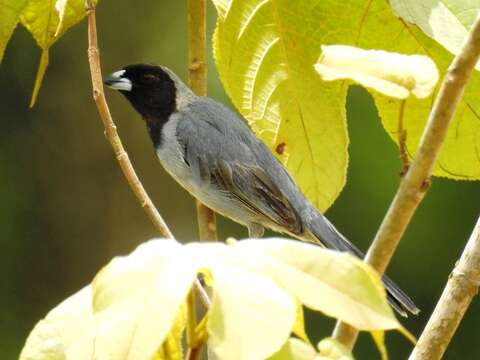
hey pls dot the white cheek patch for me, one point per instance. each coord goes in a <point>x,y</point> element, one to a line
<point>118,74</point>
<point>122,84</point>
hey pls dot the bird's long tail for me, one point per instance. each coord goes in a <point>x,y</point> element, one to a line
<point>324,232</point>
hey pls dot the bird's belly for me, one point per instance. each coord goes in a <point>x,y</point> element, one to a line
<point>218,201</point>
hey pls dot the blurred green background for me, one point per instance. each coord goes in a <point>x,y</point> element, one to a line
<point>65,208</point>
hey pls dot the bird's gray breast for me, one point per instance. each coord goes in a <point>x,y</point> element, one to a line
<point>172,157</point>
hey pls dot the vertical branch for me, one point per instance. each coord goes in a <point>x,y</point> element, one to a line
<point>111,129</point>
<point>461,287</point>
<point>197,77</point>
<point>402,139</point>
<point>414,185</point>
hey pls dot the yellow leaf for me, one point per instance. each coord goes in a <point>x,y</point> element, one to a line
<point>295,349</point>
<point>392,74</point>
<point>331,349</point>
<point>62,334</point>
<point>250,316</point>
<point>299,326</point>
<point>42,20</point>
<point>334,283</point>
<point>10,11</point>
<point>264,51</point>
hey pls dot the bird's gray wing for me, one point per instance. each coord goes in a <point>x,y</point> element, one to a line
<point>223,153</point>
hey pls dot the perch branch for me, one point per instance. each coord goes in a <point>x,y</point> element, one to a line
<point>414,185</point>
<point>461,287</point>
<point>112,136</point>
<point>111,130</point>
<point>197,76</point>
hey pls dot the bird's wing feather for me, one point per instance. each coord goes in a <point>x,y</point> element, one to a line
<point>229,160</point>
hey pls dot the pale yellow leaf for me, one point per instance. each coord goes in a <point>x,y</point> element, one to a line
<point>391,74</point>
<point>250,316</point>
<point>331,349</point>
<point>295,349</point>
<point>55,337</point>
<point>334,283</point>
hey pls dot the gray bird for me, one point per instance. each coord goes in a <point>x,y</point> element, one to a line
<point>215,156</point>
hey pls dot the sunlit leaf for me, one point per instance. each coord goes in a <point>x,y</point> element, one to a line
<point>135,307</point>
<point>334,283</point>
<point>61,7</point>
<point>147,288</point>
<point>299,326</point>
<point>295,349</point>
<point>10,11</point>
<point>445,21</point>
<point>42,20</point>
<point>54,337</point>
<point>244,303</point>
<point>391,74</point>
<point>331,349</point>
<point>257,49</point>
<point>264,51</point>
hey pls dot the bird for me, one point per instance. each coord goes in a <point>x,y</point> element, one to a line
<point>212,153</point>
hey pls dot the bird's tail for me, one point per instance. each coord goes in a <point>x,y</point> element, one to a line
<point>324,232</point>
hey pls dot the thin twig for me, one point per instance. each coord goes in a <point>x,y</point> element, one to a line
<point>461,287</point>
<point>112,136</point>
<point>416,182</point>
<point>402,139</point>
<point>111,129</point>
<point>197,76</point>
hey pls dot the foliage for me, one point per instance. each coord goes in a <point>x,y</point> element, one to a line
<point>132,306</point>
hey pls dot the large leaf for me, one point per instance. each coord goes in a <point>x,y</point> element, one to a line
<point>10,11</point>
<point>446,21</point>
<point>264,50</point>
<point>47,20</point>
<point>63,329</point>
<point>334,283</point>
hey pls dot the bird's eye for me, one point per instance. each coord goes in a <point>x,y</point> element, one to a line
<point>149,78</point>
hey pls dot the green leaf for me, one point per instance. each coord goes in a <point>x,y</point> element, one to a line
<point>42,20</point>
<point>10,11</point>
<point>295,349</point>
<point>445,21</point>
<point>391,74</point>
<point>264,51</point>
<point>334,283</point>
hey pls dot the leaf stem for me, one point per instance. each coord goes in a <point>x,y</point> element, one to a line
<point>414,185</point>
<point>197,77</point>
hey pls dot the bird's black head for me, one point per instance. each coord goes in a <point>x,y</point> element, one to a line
<point>150,89</point>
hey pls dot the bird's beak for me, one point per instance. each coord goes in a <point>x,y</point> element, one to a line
<point>118,82</point>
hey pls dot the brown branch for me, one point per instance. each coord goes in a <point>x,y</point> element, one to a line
<point>197,76</point>
<point>111,129</point>
<point>414,185</point>
<point>461,287</point>
<point>112,136</point>
<point>402,139</point>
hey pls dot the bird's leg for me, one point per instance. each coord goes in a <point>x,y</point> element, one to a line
<point>255,231</point>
